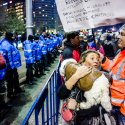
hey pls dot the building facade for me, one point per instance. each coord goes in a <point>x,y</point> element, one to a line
<point>18,6</point>
<point>45,16</point>
<point>44,13</point>
<point>3,9</point>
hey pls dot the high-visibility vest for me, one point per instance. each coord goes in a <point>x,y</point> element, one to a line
<point>117,71</point>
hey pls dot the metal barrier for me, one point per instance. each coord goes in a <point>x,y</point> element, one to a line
<point>47,103</point>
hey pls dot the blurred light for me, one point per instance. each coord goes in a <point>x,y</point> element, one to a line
<point>113,29</point>
<point>5,4</point>
<point>10,2</point>
<point>99,30</point>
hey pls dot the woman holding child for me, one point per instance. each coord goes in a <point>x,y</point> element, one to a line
<point>84,116</point>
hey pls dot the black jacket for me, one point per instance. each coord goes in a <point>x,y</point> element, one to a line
<point>64,93</point>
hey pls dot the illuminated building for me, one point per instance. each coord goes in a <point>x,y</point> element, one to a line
<point>3,8</point>
<point>18,6</point>
<point>44,13</point>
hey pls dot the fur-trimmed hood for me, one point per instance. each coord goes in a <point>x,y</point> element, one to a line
<point>64,64</point>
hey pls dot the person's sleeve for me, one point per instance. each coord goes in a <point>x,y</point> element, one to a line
<point>104,59</point>
<point>106,64</point>
<point>63,92</point>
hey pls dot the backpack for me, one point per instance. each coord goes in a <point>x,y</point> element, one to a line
<point>2,62</point>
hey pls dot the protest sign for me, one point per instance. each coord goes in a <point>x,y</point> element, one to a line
<point>79,14</point>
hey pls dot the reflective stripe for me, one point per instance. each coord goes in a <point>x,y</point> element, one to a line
<point>44,51</point>
<point>27,50</point>
<point>120,69</point>
<point>111,63</point>
<point>120,79</point>
<point>124,102</point>
<point>117,76</point>
<point>117,100</point>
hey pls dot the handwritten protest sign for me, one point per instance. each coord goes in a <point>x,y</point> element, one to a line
<point>79,14</point>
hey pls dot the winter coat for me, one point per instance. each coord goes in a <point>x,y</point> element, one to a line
<point>38,52</point>
<point>12,56</point>
<point>29,52</point>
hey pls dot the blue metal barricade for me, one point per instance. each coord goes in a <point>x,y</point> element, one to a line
<point>47,103</point>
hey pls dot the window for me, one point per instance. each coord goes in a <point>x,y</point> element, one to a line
<point>39,12</point>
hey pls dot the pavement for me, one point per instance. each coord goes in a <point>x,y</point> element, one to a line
<point>22,103</point>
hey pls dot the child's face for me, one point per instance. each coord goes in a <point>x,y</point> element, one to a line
<point>92,60</point>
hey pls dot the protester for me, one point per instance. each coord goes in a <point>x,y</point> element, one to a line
<point>72,44</point>
<point>61,48</point>
<point>83,43</point>
<point>90,116</point>
<point>91,42</point>
<point>108,46</point>
<point>116,68</point>
<point>99,47</point>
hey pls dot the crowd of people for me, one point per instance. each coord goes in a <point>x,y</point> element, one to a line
<point>39,52</point>
<point>103,52</point>
<point>106,53</point>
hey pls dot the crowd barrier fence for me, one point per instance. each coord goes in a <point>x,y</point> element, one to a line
<point>45,109</point>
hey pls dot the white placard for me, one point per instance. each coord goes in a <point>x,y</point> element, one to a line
<point>79,14</point>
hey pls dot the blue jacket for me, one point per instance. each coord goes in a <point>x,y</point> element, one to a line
<point>51,45</point>
<point>29,51</point>
<point>44,44</point>
<point>12,55</point>
<point>38,51</point>
<point>45,47</point>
